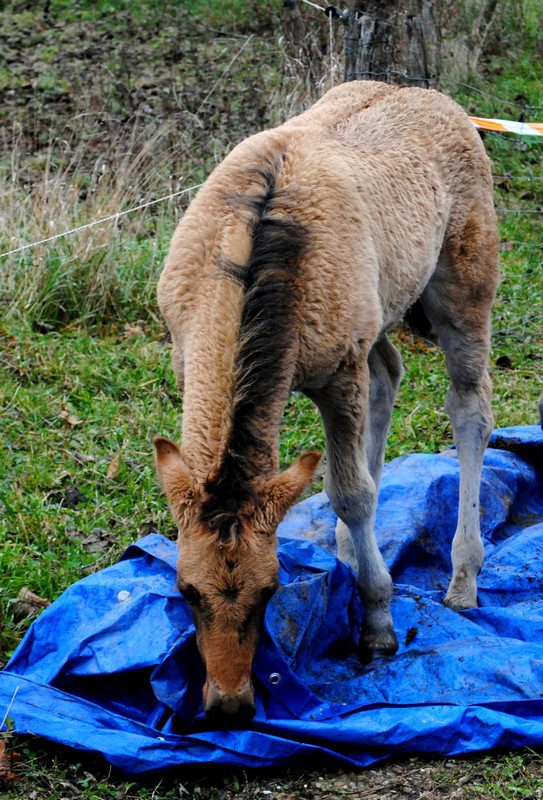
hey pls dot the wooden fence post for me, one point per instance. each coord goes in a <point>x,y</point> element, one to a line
<point>394,41</point>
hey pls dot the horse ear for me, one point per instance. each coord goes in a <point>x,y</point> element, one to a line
<point>284,489</point>
<point>173,474</point>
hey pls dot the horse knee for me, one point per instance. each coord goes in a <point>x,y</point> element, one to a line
<point>355,504</point>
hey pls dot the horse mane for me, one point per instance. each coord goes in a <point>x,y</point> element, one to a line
<point>267,350</point>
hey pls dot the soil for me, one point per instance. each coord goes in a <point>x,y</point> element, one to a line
<point>72,86</point>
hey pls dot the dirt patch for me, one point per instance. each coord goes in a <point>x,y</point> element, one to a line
<point>65,82</point>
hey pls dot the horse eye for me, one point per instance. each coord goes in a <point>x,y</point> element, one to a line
<point>191,595</point>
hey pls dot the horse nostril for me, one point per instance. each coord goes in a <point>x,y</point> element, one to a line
<point>231,713</point>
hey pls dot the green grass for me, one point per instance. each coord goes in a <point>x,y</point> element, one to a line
<point>71,404</point>
<point>518,776</point>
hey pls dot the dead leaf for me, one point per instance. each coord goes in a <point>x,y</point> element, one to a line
<point>416,344</point>
<point>7,763</point>
<point>83,458</point>
<point>97,541</point>
<point>113,469</point>
<point>28,604</point>
<point>132,330</point>
<point>73,533</point>
<point>69,417</point>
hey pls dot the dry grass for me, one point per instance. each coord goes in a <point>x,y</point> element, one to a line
<point>104,268</point>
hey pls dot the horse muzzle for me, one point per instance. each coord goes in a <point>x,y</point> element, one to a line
<point>232,710</point>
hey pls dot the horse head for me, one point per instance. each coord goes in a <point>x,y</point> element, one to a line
<point>227,569</point>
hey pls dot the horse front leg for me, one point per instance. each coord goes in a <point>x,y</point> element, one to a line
<point>352,491</point>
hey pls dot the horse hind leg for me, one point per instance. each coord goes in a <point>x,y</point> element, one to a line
<point>386,370</point>
<point>458,302</point>
<point>471,418</point>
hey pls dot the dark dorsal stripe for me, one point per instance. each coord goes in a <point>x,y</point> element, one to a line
<point>267,352</point>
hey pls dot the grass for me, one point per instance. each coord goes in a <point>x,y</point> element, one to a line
<point>86,374</point>
<point>233,13</point>
<point>58,391</point>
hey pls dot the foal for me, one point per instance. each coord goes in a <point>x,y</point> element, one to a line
<point>300,252</point>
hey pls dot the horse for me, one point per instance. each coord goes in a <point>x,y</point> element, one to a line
<point>301,251</point>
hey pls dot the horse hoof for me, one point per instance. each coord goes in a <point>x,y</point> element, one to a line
<point>374,646</point>
<point>461,598</point>
<point>459,603</point>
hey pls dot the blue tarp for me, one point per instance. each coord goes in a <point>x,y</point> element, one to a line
<point>112,667</point>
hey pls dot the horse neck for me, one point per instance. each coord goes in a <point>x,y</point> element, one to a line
<point>242,344</point>
<point>211,387</point>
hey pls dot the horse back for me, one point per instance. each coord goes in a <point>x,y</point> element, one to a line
<point>376,179</point>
